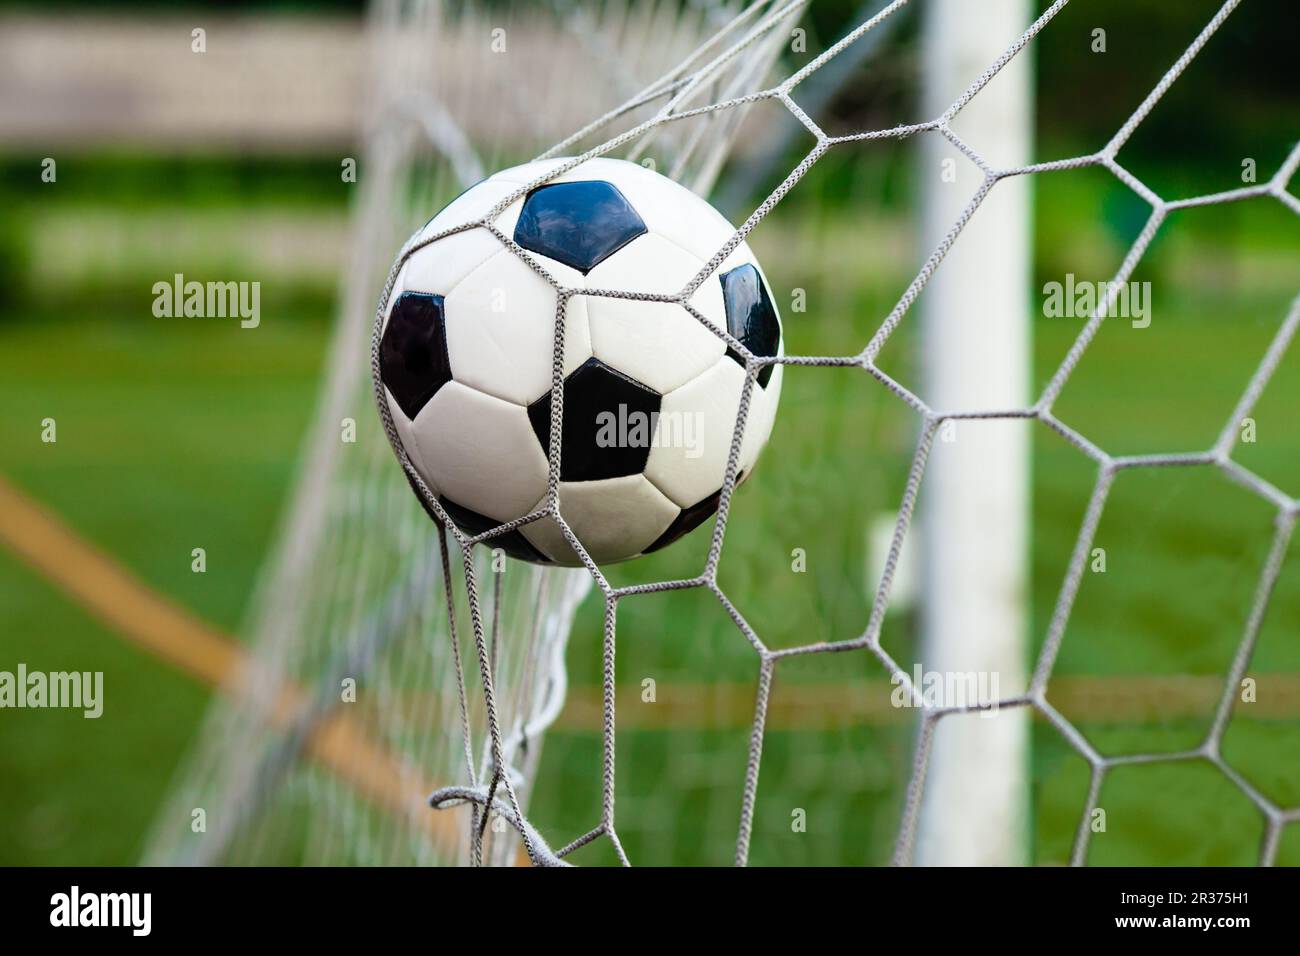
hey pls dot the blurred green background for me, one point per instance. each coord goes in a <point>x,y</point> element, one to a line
<point>176,432</point>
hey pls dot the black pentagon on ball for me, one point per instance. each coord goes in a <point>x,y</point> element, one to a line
<point>751,317</point>
<point>608,426</point>
<point>413,359</point>
<point>579,224</point>
<point>471,522</point>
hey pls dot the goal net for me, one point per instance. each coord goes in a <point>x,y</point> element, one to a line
<point>767,692</point>
<point>360,690</point>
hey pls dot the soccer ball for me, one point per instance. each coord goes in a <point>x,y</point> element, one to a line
<point>466,346</point>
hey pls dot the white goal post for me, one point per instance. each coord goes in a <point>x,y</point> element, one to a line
<point>974,507</point>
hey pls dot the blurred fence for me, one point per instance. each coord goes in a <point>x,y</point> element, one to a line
<point>263,83</point>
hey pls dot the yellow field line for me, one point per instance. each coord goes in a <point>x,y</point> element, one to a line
<point>119,599</point>
<point>810,707</point>
<point>112,594</point>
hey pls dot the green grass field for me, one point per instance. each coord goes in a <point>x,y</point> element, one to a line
<point>166,442</point>
<point>182,433</point>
